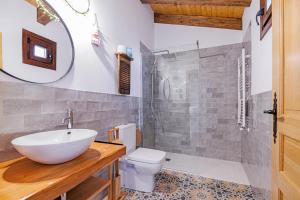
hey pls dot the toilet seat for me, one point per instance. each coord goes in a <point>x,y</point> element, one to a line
<point>144,155</point>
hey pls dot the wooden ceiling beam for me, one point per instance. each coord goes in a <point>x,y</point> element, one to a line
<point>213,22</point>
<point>242,3</point>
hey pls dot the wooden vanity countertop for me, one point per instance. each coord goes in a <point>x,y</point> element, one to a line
<point>26,179</point>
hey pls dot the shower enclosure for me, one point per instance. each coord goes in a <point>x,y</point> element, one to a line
<point>190,101</point>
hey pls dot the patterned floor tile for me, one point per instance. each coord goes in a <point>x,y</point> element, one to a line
<point>172,185</point>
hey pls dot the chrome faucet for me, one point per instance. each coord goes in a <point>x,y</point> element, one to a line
<point>69,119</point>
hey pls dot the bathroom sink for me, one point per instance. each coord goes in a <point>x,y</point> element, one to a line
<point>55,147</point>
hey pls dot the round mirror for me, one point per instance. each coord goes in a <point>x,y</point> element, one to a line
<point>36,44</point>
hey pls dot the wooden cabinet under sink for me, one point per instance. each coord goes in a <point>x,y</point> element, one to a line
<point>26,179</point>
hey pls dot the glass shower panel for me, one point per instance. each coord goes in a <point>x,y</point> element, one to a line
<point>173,100</point>
<point>146,117</point>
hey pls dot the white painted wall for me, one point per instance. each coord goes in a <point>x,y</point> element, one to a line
<point>182,38</point>
<point>121,22</point>
<point>261,52</point>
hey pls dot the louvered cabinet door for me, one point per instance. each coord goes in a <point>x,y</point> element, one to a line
<point>124,75</point>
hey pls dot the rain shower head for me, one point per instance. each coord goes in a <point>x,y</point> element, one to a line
<point>160,52</point>
<point>169,56</point>
<point>165,54</point>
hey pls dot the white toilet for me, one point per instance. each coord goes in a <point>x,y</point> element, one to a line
<point>139,166</point>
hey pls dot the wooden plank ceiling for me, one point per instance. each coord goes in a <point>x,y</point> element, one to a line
<point>204,13</point>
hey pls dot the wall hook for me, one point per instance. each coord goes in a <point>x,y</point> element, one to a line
<point>259,14</point>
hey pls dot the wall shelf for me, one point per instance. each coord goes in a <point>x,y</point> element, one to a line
<point>88,189</point>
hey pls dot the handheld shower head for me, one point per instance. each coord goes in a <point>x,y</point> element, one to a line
<point>154,65</point>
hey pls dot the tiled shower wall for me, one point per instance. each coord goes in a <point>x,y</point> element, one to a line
<point>257,143</point>
<point>27,108</point>
<point>200,117</point>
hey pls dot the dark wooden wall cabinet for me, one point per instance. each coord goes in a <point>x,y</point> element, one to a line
<point>38,51</point>
<point>124,73</point>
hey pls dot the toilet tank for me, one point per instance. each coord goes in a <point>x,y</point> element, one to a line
<point>127,135</point>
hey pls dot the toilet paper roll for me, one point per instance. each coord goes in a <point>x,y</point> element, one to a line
<point>122,49</point>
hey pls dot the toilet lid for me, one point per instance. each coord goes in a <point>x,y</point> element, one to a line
<point>147,156</point>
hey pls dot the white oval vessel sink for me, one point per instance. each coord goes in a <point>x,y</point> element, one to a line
<point>55,147</point>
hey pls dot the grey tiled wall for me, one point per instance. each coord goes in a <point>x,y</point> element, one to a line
<point>27,108</point>
<point>257,145</point>
<point>200,118</point>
